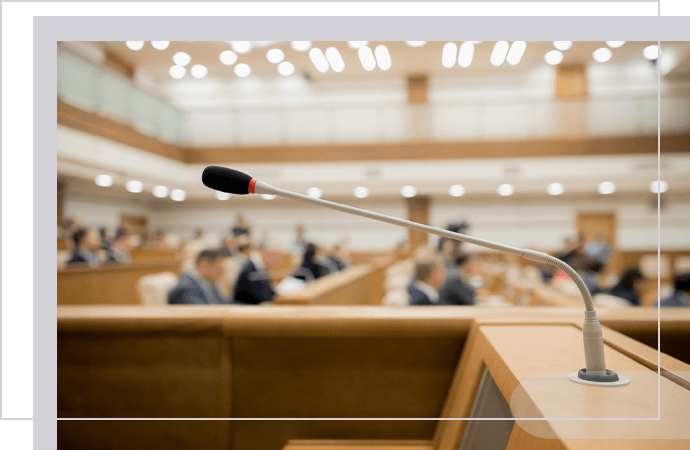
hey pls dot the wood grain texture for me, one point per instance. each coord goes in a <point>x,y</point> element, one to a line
<point>358,445</point>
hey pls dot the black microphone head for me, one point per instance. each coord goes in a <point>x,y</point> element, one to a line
<point>226,180</point>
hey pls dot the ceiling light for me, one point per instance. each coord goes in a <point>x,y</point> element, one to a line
<point>408,191</point>
<point>456,190</point>
<point>450,52</point>
<point>181,58</point>
<point>178,195</point>
<point>286,68</point>
<point>553,58</point>
<point>160,45</point>
<point>334,59</point>
<point>615,44</point>
<point>415,44</point>
<point>602,55</point>
<point>466,54</point>
<point>177,72</point>
<point>275,55</point>
<point>300,46</point>
<point>562,45</point>
<point>361,192</point>
<point>268,196</point>
<point>228,57</point>
<point>555,189</point>
<point>655,189</point>
<point>651,52</point>
<point>160,191</point>
<point>383,58</point>
<point>314,192</point>
<point>506,190</point>
<point>366,56</point>
<point>135,45</point>
<point>606,187</point>
<point>516,52</point>
<point>104,180</point>
<point>242,70</point>
<point>319,60</point>
<point>355,45</point>
<point>241,47</point>
<point>223,196</point>
<point>198,71</point>
<point>134,186</point>
<point>498,55</point>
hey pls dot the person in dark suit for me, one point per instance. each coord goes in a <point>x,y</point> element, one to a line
<point>85,245</point>
<point>253,284</point>
<point>679,297</point>
<point>456,290</point>
<point>198,286</point>
<point>118,250</point>
<point>627,288</point>
<point>310,269</point>
<point>428,276</point>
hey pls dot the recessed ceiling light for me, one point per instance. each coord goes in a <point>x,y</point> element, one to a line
<point>300,46</point>
<point>498,55</point>
<point>562,45</point>
<point>319,59</point>
<point>275,55</point>
<point>198,71</point>
<point>555,189</point>
<point>178,195</point>
<point>334,59</point>
<point>181,58</point>
<point>223,196</point>
<point>177,72</point>
<point>506,189</point>
<point>242,70</point>
<point>160,45</point>
<point>134,186</point>
<point>104,180</point>
<point>408,191</point>
<point>383,58</point>
<point>160,191</point>
<point>456,190</point>
<point>134,45</point>
<point>268,196</point>
<point>241,47</point>
<point>615,44</point>
<point>228,57</point>
<point>356,45</point>
<point>449,54</point>
<point>651,52</point>
<point>602,54</point>
<point>516,52</point>
<point>654,186</point>
<point>366,56</point>
<point>465,55</point>
<point>286,68</point>
<point>606,188</point>
<point>314,192</point>
<point>415,44</point>
<point>361,192</point>
<point>554,57</point>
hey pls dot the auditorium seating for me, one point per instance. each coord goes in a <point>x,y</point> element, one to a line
<point>153,290</point>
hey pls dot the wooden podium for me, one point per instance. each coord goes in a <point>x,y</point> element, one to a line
<point>422,363</point>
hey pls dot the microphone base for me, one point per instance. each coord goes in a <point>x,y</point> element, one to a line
<point>611,378</point>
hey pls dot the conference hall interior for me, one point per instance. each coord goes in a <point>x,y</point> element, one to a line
<point>176,300</point>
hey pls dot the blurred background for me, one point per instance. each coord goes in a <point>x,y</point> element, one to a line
<point>543,145</point>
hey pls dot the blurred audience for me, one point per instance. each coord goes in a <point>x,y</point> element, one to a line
<point>253,284</point>
<point>310,269</point>
<point>119,250</point>
<point>241,226</point>
<point>599,249</point>
<point>456,289</point>
<point>85,244</point>
<point>429,274</point>
<point>680,296</point>
<point>198,286</point>
<point>590,275</point>
<point>628,287</point>
<point>299,245</point>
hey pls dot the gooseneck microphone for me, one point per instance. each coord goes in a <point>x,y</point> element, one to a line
<point>235,182</point>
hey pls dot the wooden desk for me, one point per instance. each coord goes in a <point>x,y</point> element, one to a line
<point>352,286</point>
<point>111,284</point>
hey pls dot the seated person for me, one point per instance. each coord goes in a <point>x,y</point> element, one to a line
<point>119,249</point>
<point>310,269</point>
<point>456,290</point>
<point>253,284</point>
<point>590,275</point>
<point>628,287</point>
<point>333,261</point>
<point>428,276</point>
<point>198,286</point>
<point>85,245</point>
<point>680,296</point>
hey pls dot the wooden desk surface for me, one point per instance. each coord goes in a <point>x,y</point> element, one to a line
<point>351,286</point>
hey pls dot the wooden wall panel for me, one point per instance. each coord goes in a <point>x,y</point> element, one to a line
<point>418,211</point>
<point>571,82</point>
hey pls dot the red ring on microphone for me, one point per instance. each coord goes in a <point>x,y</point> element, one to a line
<point>251,186</point>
